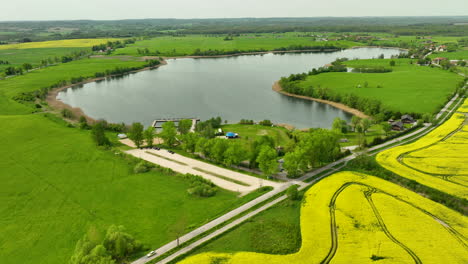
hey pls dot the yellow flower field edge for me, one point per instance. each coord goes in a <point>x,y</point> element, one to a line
<point>356,218</point>
<point>67,43</point>
<point>437,160</point>
<point>464,107</point>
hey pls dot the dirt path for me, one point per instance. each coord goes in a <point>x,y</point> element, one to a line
<point>277,88</point>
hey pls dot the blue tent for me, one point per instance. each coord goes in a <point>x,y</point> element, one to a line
<point>230,135</point>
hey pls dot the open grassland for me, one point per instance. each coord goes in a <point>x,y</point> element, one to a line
<point>56,185</point>
<point>355,218</point>
<point>248,133</point>
<point>437,160</point>
<point>67,43</point>
<point>456,55</point>
<point>408,88</point>
<point>16,57</point>
<point>186,45</point>
<point>46,77</point>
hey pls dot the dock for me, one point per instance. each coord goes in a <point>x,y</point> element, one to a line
<point>157,123</point>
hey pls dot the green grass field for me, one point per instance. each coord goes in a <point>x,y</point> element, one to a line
<point>56,185</point>
<point>275,231</point>
<point>17,57</point>
<point>248,133</point>
<point>48,76</point>
<point>180,46</point>
<point>409,88</point>
<point>456,55</point>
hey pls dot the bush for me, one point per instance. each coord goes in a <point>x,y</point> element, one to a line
<point>67,113</point>
<point>266,123</point>
<point>142,167</point>
<point>200,186</point>
<point>293,193</point>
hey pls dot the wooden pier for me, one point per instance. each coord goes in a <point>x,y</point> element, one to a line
<point>159,122</point>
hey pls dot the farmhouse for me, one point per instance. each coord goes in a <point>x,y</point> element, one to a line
<point>407,119</point>
<point>438,60</point>
<point>397,126</point>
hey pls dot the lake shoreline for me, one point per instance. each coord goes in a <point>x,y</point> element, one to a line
<point>277,88</point>
<point>56,104</point>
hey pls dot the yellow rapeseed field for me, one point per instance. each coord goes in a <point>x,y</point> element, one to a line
<point>464,107</point>
<point>67,43</point>
<point>438,160</point>
<point>371,220</point>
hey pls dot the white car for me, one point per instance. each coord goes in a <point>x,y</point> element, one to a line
<point>152,253</point>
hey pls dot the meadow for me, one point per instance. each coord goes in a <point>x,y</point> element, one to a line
<point>437,160</point>
<point>46,77</point>
<point>248,133</point>
<point>186,45</point>
<point>16,57</point>
<point>408,88</point>
<point>357,218</point>
<point>56,185</point>
<point>456,55</point>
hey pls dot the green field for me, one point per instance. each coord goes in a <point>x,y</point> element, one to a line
<point>248,133</point>
<point>56,185</point>
<point>48,76</point>
<point>275,231</point>
<point>409,88</point>
<point>456,55</point>
<point>186,45</point>
<point>17,57</point>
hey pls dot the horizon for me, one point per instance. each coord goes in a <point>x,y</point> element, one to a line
<point>56,10</point>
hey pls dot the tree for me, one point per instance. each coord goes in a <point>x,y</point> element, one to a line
<point>83,123</point>
<point>257,146</point>
<point>267,161</point>
<point>149,136</point>
<point>136,134</point>
<point>184,126</point>
<point>234,154</point>
<point>27,66</point>
<point>292,193</point>
<point>340,125</point>
<point>365,124</point>
<point>354,122</point>
<point>295,163</point>
<point>168,133</point>
<point>392,63</point>
<point>120,244</point>
<point>99,135</point>
<point>189,141</point>
<point>386,127</point>
<point>218,148</point>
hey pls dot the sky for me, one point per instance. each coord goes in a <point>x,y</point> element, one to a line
<point>128,9</point>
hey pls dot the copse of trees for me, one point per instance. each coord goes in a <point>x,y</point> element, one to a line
<point>313,149</point>
<point>168,133</point>
<point>116,247</point>
<point>373,69</point>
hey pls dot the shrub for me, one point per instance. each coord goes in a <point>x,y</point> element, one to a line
<point>293,193</point>
<point>200,186</point>
<point>67,113</point>
<point>142,167</point>
<point>266,122</point>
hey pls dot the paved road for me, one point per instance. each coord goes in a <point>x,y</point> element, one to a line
<point>185,165</point>
<point>339,164</point>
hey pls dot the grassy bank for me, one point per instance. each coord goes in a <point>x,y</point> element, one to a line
<point>408,88</point>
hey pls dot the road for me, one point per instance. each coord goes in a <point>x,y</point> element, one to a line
<point>300,181</point>
<point>224,178</point>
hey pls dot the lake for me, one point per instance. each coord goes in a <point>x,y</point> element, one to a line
<point>233,88</point>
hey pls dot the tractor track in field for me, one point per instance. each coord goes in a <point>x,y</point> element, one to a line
<point>334,230</point>
<point>387,232</point>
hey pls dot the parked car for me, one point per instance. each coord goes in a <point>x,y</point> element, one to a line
<point>170,151</point>
<point>152,253</point>
<point>156,148</point>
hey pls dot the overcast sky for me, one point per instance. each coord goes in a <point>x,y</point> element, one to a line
<point>124,9</point>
